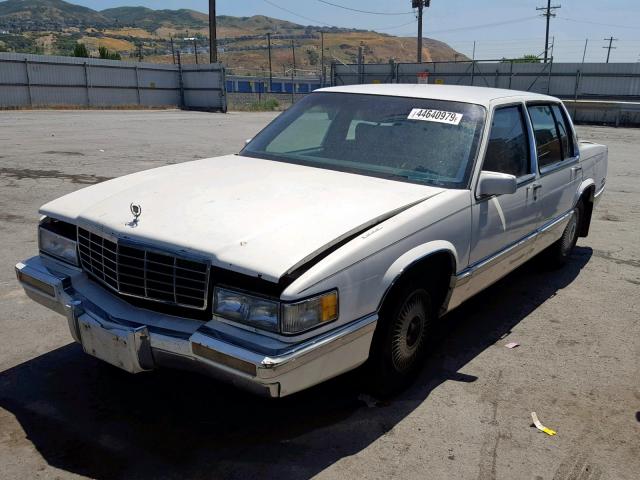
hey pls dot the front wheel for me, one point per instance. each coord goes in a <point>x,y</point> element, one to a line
<point>399,345</point>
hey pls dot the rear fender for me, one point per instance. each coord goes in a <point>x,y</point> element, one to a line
<point>584,186</point>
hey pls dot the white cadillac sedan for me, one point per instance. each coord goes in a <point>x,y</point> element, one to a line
<point>339,235</point>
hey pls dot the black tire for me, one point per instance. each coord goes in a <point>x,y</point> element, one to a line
<point>400,342</point>
<point>560,251</point>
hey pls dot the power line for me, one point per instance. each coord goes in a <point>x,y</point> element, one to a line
<point>328,24</point>
<point>598,23</point>
<point>548,13</point>
<point>485,25</point>
<point>364,11</point>
<point>297,14</point>
<point>396,26</point>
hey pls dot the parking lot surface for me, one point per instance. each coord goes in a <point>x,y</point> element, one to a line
<point>66,415</point>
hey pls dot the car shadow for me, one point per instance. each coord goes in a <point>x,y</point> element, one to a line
<point>88,418</point>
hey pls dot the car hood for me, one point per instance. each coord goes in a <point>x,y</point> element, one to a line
<point>252,216</point>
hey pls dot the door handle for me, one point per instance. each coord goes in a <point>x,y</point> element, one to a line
<point>576,170</point>
<point>535,187</point>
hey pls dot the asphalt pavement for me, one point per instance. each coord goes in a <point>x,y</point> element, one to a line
<point>65,415</point>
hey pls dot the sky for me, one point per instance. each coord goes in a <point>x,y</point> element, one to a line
<point>499,28</point>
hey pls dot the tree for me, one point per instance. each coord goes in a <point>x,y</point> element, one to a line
<point>107,55</point>
<point>80,50</point>
<point>523,59</point>
<point>313,56</point>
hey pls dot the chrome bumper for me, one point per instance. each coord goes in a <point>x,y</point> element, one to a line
<point>128,342</point>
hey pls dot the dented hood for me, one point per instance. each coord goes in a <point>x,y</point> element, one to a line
<point>252,216</point>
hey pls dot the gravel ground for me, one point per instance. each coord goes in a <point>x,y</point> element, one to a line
<point>65,415</point>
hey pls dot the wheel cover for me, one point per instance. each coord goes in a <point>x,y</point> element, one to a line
<point>408,334</point>
<point>569,237</point>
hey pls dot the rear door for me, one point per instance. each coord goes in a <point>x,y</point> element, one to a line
<point>560,172</point>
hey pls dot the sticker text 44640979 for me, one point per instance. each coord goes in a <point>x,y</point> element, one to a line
<point>440,116</point>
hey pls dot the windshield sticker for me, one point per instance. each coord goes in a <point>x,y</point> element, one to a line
<point>440,116</point>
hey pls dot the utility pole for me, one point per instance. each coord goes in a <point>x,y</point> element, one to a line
<point>548,13</point>
<point>173,51</point>
<point>361,63</point>
<point>420,4</point>
<point>322,58</point>
<point>195,48</point>
<point>293,86</point>
<point>609,48</point>
<point>213,37</point>
<point>270,71</point>
<point>584,54</point>
<point>293,53</point>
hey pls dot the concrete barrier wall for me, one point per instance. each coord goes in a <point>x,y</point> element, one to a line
<point>37,81</point>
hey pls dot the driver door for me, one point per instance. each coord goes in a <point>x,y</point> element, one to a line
<point>502,223</point>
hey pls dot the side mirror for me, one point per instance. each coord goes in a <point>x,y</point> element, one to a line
<point>494,183</point>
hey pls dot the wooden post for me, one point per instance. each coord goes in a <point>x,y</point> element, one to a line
<point>86,83</point>
<point>213,34</point>
<point>575,92</point>
<point>26,66</point>
<point>138,85</point>
<point>510,72</point>
<point>473,66</point>
<point>182,105</point>
<point>270,66</point>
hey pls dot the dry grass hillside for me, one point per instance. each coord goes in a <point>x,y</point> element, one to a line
<point>56,26</point>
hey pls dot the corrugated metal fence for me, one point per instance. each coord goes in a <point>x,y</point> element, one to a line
<point>50,81</point>
<point>607,81</point>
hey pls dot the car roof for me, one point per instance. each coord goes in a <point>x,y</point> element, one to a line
<point>479,95</point>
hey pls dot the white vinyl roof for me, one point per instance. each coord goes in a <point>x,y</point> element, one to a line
<point>479,95</point>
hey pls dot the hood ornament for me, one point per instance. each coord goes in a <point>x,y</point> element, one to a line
<point>136,211</point>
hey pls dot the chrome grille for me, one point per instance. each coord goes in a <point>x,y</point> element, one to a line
<point>139,272</point>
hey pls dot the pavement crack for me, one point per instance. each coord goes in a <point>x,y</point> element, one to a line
<point>620,261</point>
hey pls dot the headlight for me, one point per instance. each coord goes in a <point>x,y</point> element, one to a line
<point>247,309</point>
<point>273,316</point>
<point>57,245</point>
<point>301,316</point>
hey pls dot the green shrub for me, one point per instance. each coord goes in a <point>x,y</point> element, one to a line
<point>107,55</point>
<point>265,105</point>
<point>80,50</point>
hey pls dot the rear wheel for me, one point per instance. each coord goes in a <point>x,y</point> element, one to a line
<point>561,250</point>
<point>400,342</point>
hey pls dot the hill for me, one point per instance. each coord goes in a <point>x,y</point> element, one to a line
<point>55,26</point>
<point>149,19</point>
<point>38,14</point>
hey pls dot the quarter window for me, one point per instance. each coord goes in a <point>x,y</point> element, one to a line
<point>545,129</point>
<point>565,132</point>
<point>508,149</point>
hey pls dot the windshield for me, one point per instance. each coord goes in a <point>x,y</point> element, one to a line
<point>424,141</point>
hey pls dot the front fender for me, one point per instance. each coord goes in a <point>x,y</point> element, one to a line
<point>415,255</point>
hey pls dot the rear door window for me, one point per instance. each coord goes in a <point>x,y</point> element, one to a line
<point>548,144</point>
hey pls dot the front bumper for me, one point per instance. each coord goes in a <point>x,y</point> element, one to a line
<point>139,340</point>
